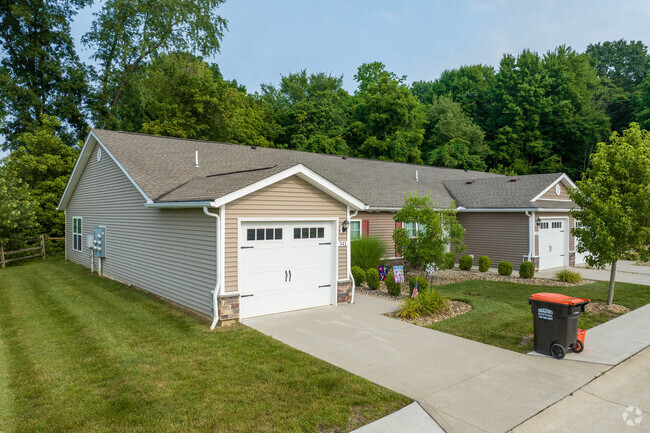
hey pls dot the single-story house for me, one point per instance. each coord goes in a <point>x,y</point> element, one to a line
<point>235,231</point>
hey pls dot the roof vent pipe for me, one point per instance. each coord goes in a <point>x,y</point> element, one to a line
<point>417,178</point>
<point>196,159</point>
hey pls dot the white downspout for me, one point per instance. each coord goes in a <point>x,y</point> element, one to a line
<point>217,288</point>
<point>354,285</point>
<point>531,235</point>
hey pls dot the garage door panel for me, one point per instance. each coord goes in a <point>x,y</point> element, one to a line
<point>286,274</point>
<point>552,244</point>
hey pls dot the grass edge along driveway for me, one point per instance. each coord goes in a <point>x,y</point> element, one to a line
<point>501,314</point>
<point>84,353</point>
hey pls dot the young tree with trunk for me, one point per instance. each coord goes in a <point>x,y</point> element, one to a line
<point>614,201</point>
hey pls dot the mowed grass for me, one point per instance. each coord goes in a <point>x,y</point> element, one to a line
<point>83,353</point>
<point>501,314</point>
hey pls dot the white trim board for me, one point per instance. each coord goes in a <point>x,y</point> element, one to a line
<point>563,178</point>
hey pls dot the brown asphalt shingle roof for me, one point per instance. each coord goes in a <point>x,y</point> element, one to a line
<point>164,168</point>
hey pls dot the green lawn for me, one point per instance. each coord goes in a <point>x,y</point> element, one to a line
<point>501,315</point>
<point>83,353</point>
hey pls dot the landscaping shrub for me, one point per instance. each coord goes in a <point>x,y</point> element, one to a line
<point>505,268</point>
<point>568,276</point>
<point>427,302</point>
<point>367,251</point>
<point>484,263</point>
<point>358,274</point>
<point>393,288</point>
<point>527,270</point>
<point>372,278</point>
<point>465,262</point>
<point>423,284</point>
<point>448,261</point>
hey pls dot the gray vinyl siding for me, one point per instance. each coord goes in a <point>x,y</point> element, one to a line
<point>168,252</point>
<point>498,235</point>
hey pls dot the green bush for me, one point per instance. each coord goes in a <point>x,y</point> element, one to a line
<point>358,274</point>
<point>484,263</point>
<point>505,268</point>
<point>367,252</point>
<point>465,262</point>
<point>448,261</point>
<point>372,278</point>
<point>527,270</point>
<point>393,288</point>
<point>427,302</point>
<point>423,284</point>
<point>568,276</point>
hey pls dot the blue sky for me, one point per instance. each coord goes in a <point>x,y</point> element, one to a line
<point>419,39</point>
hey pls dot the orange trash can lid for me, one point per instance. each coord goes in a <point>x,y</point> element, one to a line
<point>556,298</point>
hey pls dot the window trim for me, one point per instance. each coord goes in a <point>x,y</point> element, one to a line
<point>357,221</point>
<point>75,233</point>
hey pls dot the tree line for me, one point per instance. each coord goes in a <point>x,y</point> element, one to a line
<point>534,113</point>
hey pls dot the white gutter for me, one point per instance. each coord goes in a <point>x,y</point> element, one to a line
<point>181,204</point>
<point>217,288</point>
<point>531,235</point>
<point>354,285</point>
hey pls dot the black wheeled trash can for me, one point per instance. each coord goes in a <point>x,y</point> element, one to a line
<point>555,321</point>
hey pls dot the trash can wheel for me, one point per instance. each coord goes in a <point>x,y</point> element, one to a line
<point>579,347</point>
<point>558,351</point>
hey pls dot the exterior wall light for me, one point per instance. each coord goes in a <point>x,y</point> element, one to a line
<point>345,226</point>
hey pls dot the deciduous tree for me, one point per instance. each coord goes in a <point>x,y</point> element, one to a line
<point>614,201</point>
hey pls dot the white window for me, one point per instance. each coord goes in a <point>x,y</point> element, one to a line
<point>262,234</point>
<point>309,232</point>
<point>355,229</point>
<point>557,225</point>
<point>411,229</point>
<point>76,233</point>
<point>543,225</point>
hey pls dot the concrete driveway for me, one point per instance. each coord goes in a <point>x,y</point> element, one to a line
<point>626,272</point>
<point>464,385</point>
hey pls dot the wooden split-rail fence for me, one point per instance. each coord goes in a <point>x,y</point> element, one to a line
<point>40,251</point>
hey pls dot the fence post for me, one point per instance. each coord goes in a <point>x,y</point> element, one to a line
<point>43,246</point>
<point>2,254</point>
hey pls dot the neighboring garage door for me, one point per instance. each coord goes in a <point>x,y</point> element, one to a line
<point>552,244</point>
<point>285,266</point>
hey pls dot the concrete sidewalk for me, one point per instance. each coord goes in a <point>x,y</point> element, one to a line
<point>410,419</point>
<point>618,401</point>
<point>626,272</point>
<point>464,385</point>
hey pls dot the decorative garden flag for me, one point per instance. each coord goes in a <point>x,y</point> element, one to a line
<point>383,271</point>
<point>415,291</point>
<point>398,274</point>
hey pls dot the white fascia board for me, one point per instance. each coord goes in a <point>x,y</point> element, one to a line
<point>304,173</point>
<point>84,156</point>
<point>554,210</point>
<point>563,178</point>
<point>511,209</point>
<point>382,209</point>
<point>180,204</point>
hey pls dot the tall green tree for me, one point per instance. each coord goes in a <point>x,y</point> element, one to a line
<point>40,72</point>
<point>180,95</point>
<point>44,161</point>
<point>313,111</point>
<point>126,34</point>
<point>451,138</point>
<point>470,86</point>
<point>18,210</point>
<point>387,120</point>
<point>622,66</point>
<point>642,103</point>
<point>614,201</point>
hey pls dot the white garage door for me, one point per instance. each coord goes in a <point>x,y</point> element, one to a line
<point>553,252</point>
<point>285,266</point>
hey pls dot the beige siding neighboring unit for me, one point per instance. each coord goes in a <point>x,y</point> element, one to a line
<point>291,198</point>
<point>168,252</point>
<point>551,195</point>
<point>498,235</point>
<point>381,225</point>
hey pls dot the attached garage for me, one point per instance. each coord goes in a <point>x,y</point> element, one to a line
<point>553,243</point>
<point>286,266</point>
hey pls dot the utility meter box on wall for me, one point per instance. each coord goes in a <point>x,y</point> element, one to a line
<point>99,241</point>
